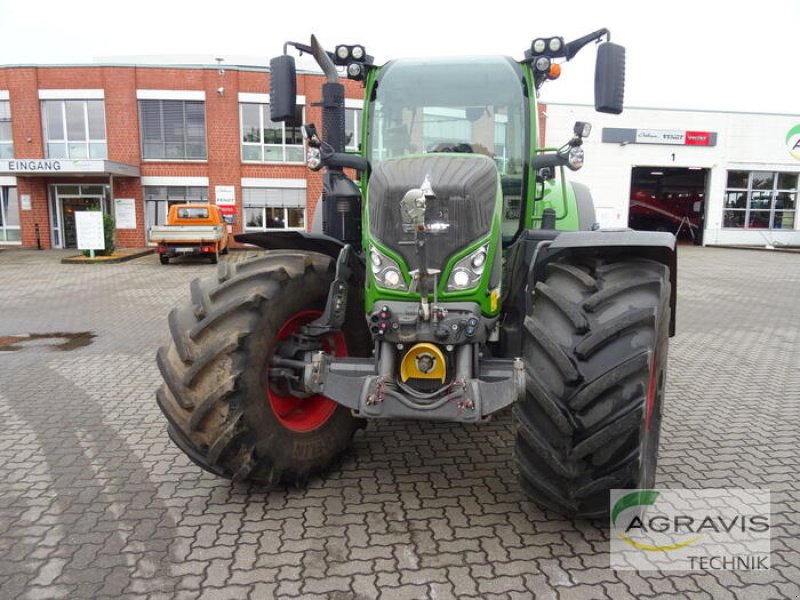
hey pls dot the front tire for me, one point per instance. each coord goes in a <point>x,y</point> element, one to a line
<point>223,412</point>
<point>595,349</point>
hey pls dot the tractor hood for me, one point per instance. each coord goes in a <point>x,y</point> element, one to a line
<point>451,197</point>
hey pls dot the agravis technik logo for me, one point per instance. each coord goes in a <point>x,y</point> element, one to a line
<point>690,529</point>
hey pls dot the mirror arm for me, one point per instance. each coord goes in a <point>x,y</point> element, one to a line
<point>342,160</point>
<point>556,159</point>
<point>304,49</point>
<point>575,46</point>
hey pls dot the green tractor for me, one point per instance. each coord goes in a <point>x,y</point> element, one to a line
<point>460,275</point>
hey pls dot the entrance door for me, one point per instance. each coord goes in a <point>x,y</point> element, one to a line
<point>66,200</point>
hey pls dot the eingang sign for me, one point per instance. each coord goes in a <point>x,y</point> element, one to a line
<point>34,165</point>
<point>65,166</point>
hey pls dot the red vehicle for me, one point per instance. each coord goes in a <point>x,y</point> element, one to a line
<point>680,214</point>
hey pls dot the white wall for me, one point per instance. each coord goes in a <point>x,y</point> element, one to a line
<point>745,141</point>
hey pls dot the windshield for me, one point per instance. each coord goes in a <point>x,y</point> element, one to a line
<point>450,105</point>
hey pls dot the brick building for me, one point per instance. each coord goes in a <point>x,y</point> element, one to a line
<point>135,139</point>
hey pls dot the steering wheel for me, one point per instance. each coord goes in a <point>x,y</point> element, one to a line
<point>460,147</point>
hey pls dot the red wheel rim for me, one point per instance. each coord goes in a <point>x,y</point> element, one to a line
<point>305,414</point>
<point>651,394</point>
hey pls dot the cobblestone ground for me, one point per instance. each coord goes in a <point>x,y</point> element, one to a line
<point>96,502</point>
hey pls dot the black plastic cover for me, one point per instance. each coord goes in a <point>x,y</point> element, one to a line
<point>466,192</point>
<point>333,114</point>
<point>609,78</point>
<point>282,88</point>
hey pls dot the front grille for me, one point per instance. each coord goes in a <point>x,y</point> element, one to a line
<point>466,192</point>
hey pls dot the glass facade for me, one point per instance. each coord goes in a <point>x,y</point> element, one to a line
<point>760,200</point>
<point>274,208</point>
<point>352,122</point>
<point>6,137</point>
<point>9,215</point>
<point>173,129</point>
<point>74,128</point>
<point>265,141</point>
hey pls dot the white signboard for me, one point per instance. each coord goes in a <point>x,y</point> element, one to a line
<point>89,227</point>
<point>660,136</point>
<point>225,195</point>
<point>125,213</point>
<point>26,201</point>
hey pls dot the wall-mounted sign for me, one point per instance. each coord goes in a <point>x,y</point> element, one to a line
<point>125,213</point>
<point>89,229</point>
<point>225,195</point>
<point>61,166</point>
<point>33,165</point>
<point>793,141</point>
<point>659,136</point>
<point>670,137</point>
<point>25,201</point>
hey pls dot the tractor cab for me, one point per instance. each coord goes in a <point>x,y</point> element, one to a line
<point>471,105</point>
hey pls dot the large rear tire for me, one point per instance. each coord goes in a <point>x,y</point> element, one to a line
<point>223,412</point>
<point>595,350</point>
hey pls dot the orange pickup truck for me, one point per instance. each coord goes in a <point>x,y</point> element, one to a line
<point>191,229</point>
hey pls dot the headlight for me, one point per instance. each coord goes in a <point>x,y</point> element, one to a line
<point>386,271</point>
<point>466,273</point>
<point>343,52</point>
<point>538,46</point>
<point>542,64</point>
<point>354,70</point>
<point>392,277</point>
<point>575,158</point>
<point>375,258</point>
<point>554,45</point>
<point>314,159</point>
<point>358,52</point>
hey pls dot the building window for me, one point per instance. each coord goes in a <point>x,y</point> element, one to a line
<point>158,199</point>
<point>265,141</point>
<point>9,215</point>
<point>6,137</point>
<point>74,128</point>
<point>352,121</point>
<point>173,129</point>
<point>760,200</point>
<point>274,208</point>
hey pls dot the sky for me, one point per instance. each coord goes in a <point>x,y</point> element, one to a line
<point>700,54</point>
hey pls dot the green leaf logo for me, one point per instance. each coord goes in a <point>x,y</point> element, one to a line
<point>637,498</point>
<point>645,498</point>
<point>793,141</point>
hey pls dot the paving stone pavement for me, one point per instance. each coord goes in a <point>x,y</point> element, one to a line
<point>96,502</point>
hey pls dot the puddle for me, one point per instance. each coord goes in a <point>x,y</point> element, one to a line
<point>57,341</point>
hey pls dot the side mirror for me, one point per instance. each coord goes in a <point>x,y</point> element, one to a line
<point>609,78</point>
<point>229,219</point>
<point>282,88</point>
